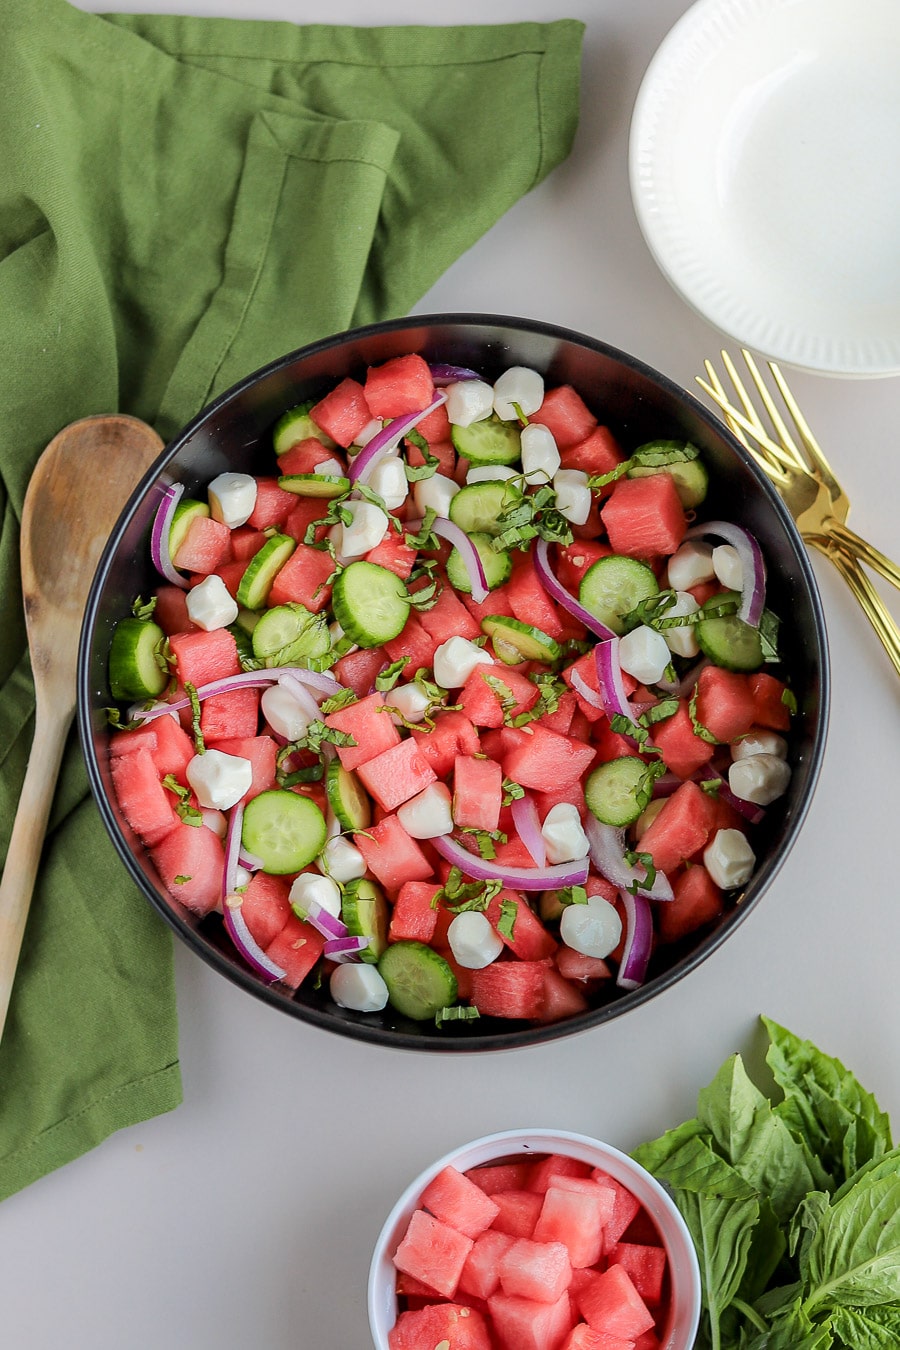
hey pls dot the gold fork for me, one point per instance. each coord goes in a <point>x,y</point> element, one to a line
<point>808,487</point>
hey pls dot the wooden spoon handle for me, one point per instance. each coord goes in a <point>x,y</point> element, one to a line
<point>29,828</point>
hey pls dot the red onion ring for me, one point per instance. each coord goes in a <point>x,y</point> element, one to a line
<point>386,440</point>
<point>517,878</point>
<point>753,567</point>
<point>608,856</point>
<point>301,695</point>
<point>246,944</point>
<point>557,591</point>
<point>749,810</point>
<point>609,676</point>
<point>445,374</point>
<point>528,826</point>
<point>322,920</point>
<point>249,861</point>
<point>468,553</point>
<point>249,679</point>
<point>159,536</point>
<point>344,948</point>
<point>584,690</point>
<point>232,850</point>
<point>638,941</point>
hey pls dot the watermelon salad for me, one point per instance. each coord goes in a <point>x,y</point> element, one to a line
<point>543,1254</point>
<point>460,708</point>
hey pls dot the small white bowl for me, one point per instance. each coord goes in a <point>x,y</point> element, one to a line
<point>684,1271</point>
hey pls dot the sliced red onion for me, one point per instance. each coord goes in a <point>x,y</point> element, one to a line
<point>445,374</point>
<point>557,591</point>
<point>666,784</point>
<point>300,694</point>
<point>753,567</point>
<point>581,687</point>
<point>609,676</point>
<point>246,944</point>
<point>249,679</point>
<point>232,849</point>
<point>528,826</point>
<point>608,856</point>
<point>749,810</point>
<point>638,941</point>
<point>344,948</point>
<point>517,878</point>
<point>468,553</point>
<point>159,536</point>
<point>387,440</point>
<point>249,861</point>
<point>322,920</point>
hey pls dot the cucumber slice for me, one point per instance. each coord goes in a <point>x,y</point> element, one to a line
<point>690,475</point>
<point>284,829</point>
<point>613,586</point>
<point>496,563</point>
<point>187,510</point>
<point>614,792</point>
<point>243,643</point>
<point>419,980</point>
<point>730,642</point>
<point>347,797</point>
<point>490,441</point>
<point>278,627</point>
<point>295,426</point>
<point>134,672</point>
<point>321,485</point>
<point>370,603</point>
<point>532,644</point>
<point>477,508</point>
<point>261,570</point>
<point>366,913</point>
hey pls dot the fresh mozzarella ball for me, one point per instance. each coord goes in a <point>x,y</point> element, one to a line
<point>727,566</point>
<point>521,385</point>
<point>342,859</point>
<point>491,473</point>
<point>563,835</point>
<point>690,565</point>
<point>388,479</point>
<point>367,529</point>
<point>219,780</point>
<point>647,817</point>
<point>455,660</point>
<point>644,653</point>
<point>540,456</point>
<point>359,987</point>
<point>729,859</point>
<point>472,940</point>
<point>573,496</point>
<point>682,640</point>
<point>594,929</point>
<point>469,401</point>
<point>311,888</point>
<point>232,497</point>
<point>209,604</point>
<point>371,429</point>
<point>760,779</point>
<point>435,494</point>
<point>284,713</point>
<point>411,703</point>
<point>428,814</point>
<point>760,742</point>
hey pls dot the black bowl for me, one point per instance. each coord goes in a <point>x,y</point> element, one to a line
<point>638,404</point>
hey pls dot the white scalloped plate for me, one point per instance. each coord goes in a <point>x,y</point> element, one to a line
<point>765,173</point>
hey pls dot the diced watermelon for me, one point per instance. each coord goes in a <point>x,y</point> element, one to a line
<point>147,806</point>
<point>415,643</point>
<point>205,546</point>
<point>547,1170</point>
<point>343,412</point>
<point>648,1340</point>
<point>585,670</point>
<point>561,718</point>
<point>232,574</point>
<point>435,429</point>
<point>698,901</point>
<point>230,715</point>
<point>393,554</point>
<point>520,928</point>
<point>305,457</point>
<point>453,735</point>
<point>266,906</point>
<point>171,748</point>
<point>524,1324</point>
<point>518,1212</point>
<point>480,1275</point>
<point>401,385</point>
<point>546,758</point>
<point>512,989</point>
<point>483,703</point>
<point>497,602</point>
<point>477,792</point>
<point>413,916</point>
<point>683,751</point>
<point>357,670</point>
<point>171,610</point>
<point>725,704</point>
<point>609,1302</point>
<point>273,505</point>
<point>681,829</point>
<point>245,541</point>
<point>190,861</point>
<point>303,579</point>
<point>573,560</point>
<point>448,618</point>
<point>454,1326</point>
<point>567,415</point>
<point>625,1207</point>
<point>497,1177</point>
<point>262,753</point>
<point>296,949</point>
<point>373,731</point>
<point>307,510</point>
<point>769,696</point>
<point>397,774</point>
<point>598,453</point>
<point>644,517</point>
<point>202,657</point>
<point>454,1199</point>
<point>433,1252</point>
<point>577,1219</point>
<point>583,1337</point>
<point>538,1270</point>
<point>530,602</point>
<point>391,855</point>
<point>645,1265</point>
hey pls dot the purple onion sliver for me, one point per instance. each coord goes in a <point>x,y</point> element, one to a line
<point>638,941</point>
<point>246,944</point>
<point>442,373</point>
<point>555,589</point>
<point>528,825</point>
<point>517,878</point>
<point>344,948</point>
<point>609,677</point>
<point>384,441</point>
<point>753,567</point>
<point>749,810</point>
<point>249,679</point>
<point>324,921</point>
<point>584,690</point>
<point>232,849</point>
<point>249,861</point>
<point>159,536</point>
<point>469,554</point>
<point>608,856</point>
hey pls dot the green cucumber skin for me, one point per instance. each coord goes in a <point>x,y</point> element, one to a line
<point>477,508</point>
<point>394,966</point>
<point>262,569</point>
<point>490,441</point>
<point>497,565</point>
<point>614,585</point>
<point>301,825</point>
<point>133,670</point>
<point>731,643</point>
<point>611,790</point>
<point>371,605</point>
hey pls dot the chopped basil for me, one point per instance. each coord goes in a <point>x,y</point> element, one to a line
<point>199,744</point>
<point>506,924</point>
<point>387,678</point>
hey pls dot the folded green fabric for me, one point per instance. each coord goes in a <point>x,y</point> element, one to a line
<point>183,200</point>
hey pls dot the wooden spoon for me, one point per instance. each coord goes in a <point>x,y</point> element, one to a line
<point>77,491</point>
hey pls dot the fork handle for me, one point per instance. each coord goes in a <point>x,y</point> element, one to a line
<point>871,602</point>
<point>865,551</point>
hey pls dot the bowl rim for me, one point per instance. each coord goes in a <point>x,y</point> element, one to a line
<point>501,1144</point>
<point>519,1036</point>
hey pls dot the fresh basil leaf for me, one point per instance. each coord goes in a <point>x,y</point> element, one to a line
<point>854,1256</point>
<point>793,1331</point>
<point>874,1329</point>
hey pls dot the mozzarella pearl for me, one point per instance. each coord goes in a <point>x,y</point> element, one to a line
<point>219,780</point>
<point>388,480</point>
<point>312,888</point>
<point>644,653</point>
<point>563,835</point>
<point>428,814</point>
<point>472,940</point>
<point>729,859</point>
<point>540,456</point>
<point>760,743</point>
<point>760,779</point>
<point>594,929</point>
<point>284,713</point>
<point>469,401</point>
<point>232,497</point>
<point>573,496</point>
<point>518,385</point>
<point>681,640</point>
<point>358,987</point>
<point>435,494</point>
<point>454,661</point>
<point>342,859</point>
<point>690,565</point>
<point>727,566</point>
<point>210,605</point>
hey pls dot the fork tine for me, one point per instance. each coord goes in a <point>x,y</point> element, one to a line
<point>719,389</point>
<point>769,456</point>
<point>756,427</point>
<point>810,443</point>
<point>778,422</point>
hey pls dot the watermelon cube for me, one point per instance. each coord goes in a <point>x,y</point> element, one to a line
<point>698,901</point>
<point>518,1212</point>
<point>147,806</point>
<point>496,1177</point>
<point>190,861</point>
<point>681,829</point>
<point>433,1252</point>
<point>482,701</point>
<point>546,758</point>
<point>401,385</point>
<point>296,949</point>
<point>535,1269</point>
<point>245,541</point>
<point>573,560</point>
<point>583,1337</point>
<point>413,916</point>
<point>648,1340</point>
<point>343,412</point>
<point>547,1171</point>
<point>303,579</point>
<point>566,415</point>
<point>769,694</point>
<point>522,932</point>
<point>202,657</point>
<point>435,429</point>
<point>373,732</point>
<point>448,618</point>
<point>171,610</point>
<point>357,670</point>
<point>306,455</point>
<point>626,1207</point>
<point>645,1265</point>
<point>453,735</point>
<point>205,546</point>
<point>609,1302</point>
<point>525,1324</point>
<point>561,998</point>
<point>480,1276</point>
<point>397,774</point>
<point>394,554</point>
<point>644,517</point>
<point>414,643</point>
<point>477,793</point>
<point>576,966</point>
<point>512,989</point>
<point>266,906</point>
<point>230,715</point>
<point>455,1200</point>
<point>683,751</point>
<point>725,703</point>
<point>530,602</point>
<point>307,511</point>
<point>453,1326</point>
<point>273,506</point>
<point>392,855</point>
<point>576,1219</point>
<point>598,453</point>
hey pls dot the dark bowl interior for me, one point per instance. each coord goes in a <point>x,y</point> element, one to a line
<point>638,404</point>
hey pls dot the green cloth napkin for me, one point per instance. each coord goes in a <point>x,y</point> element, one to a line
<point>181,201</point>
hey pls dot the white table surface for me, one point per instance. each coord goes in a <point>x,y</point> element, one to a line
<point>245,1218</point>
